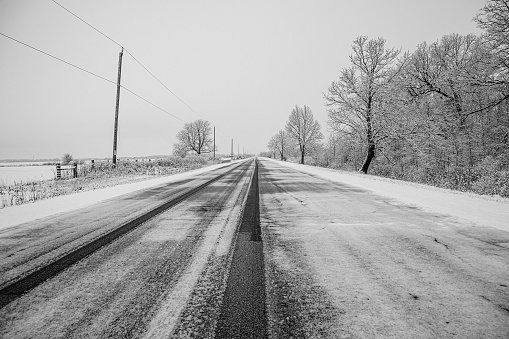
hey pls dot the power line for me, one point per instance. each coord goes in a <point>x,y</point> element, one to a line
<point>146,69</point>
<point>54,57</point>
<point>96,75</point>
<point>86,23</point>
<point>176,117</point>
<point>169,90</point>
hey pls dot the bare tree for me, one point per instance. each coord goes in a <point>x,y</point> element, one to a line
<point>439,116</point>
<point>195,137</point>
<point>303,129</point>
<point>280,143</point>
<point>494,20</point>
<point>273,146</point>
<point>451,74</point>
<point>356,101</point>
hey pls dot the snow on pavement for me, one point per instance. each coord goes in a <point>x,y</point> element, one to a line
<point>16,215</point>
<point>482,210</point>
<point>467,206</point>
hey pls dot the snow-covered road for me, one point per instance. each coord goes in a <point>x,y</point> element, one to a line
<point>493,212</point>
<point>350,256</point>
<point>344,255</point>
<point>483,210</point>
<point>164,278</point>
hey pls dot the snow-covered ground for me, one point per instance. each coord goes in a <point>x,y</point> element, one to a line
<point>16,215</point>
<point>485,211</point>
<point>482,210</point>
<point>10,174</point>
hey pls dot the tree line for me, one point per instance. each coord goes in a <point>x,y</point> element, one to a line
<point>301,135</point>
<point>438,115</point>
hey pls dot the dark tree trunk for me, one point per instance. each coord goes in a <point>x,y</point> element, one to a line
<point>302,151</point>
<point>369,156</point>
<point>369,134</point>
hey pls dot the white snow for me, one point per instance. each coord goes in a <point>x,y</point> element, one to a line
<point>467,206</point>
<point>24,173</point>
<point>482,210</point>
<point>16,215</point>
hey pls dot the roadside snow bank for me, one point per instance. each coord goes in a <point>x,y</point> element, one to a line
<point>19,214</point>
<point>482,210</point>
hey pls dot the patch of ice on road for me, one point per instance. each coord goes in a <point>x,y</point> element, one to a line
<point>482,210</point>
<point>17,215</point>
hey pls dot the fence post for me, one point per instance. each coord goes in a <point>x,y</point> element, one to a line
<point>59,171</point>
<point>75,170</point>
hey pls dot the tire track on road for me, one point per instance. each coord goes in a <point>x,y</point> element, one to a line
<point>16,288</point>
<point>243,312</point>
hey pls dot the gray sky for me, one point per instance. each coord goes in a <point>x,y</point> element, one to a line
<point>242,65</point>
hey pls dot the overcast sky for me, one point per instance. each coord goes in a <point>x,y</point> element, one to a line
<point>242,65</point>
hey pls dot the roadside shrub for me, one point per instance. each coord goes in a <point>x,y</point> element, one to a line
<point>491,178</point>
<point>20,193</point>
<point>66,159</point>
<point>487,177</point>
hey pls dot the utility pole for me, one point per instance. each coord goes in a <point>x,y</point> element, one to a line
<point>214,142</point>
<point>232,148</point>
<point>115,131</point>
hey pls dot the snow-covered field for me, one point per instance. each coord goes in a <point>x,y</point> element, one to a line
<point>25,173</point>
<point>482,210</point>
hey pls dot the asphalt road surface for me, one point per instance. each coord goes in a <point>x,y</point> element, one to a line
<point>344,263</point>
<point>164,278</point>
<point>253,251</point>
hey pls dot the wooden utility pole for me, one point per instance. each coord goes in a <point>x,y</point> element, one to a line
<point>115,130</point>
<point>214,142</point>
<point>232,149</point>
